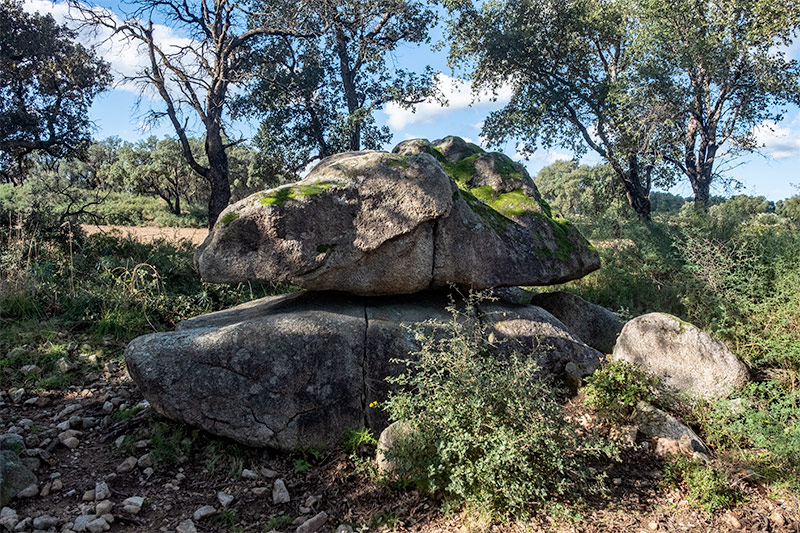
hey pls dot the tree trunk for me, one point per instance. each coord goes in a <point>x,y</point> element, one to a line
<point>638,198</point>
<point>701,186</point>
<point>350,94</point>
<point>217,173</point>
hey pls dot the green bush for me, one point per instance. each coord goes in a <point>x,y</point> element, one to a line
<point>489,431</point>
<point>616,388</point>
<point>761,428</point>
<point>104,289</point>
<point>710,487</point>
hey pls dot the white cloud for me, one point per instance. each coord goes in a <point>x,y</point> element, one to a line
<point>459,95</point>
<point>127,58</point>
<point>777,142</point>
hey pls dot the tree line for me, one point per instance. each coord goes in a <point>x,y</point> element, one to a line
<point>661,91</point>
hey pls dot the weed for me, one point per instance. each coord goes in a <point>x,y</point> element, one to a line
<point>710,488</point>
<point>127,413</point>
<point>387,519</point>
<point>357,438</point>
<point>170,443</point>
<point>277,523</point>
<point>301,465</point>
<point>616,388</point>
<point>227,517</point>
<point>224,455</point>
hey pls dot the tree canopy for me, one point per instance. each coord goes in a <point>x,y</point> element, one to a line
<point>194,81</point>
<point>47,84</point>
<point>654,88</point>
<point>717,69</point>
<point>570,68</point>
<point>317,95</point>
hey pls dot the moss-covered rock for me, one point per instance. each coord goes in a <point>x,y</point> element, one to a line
<point>371,223</point>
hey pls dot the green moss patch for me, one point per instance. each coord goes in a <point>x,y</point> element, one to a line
<point>505,166</point>
<point>515,203</point>
<point>297,191</point>
<point>401,161</point>
<point>494,219</point>
<point>229,217</point>
<point>561,231</point>
<point>462,170</point>
<point>322,248</point>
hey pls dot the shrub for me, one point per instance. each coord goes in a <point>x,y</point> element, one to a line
<point>710,488</point>
<point>762,428</point>
<point>615,389</point>
<point>489,431</point>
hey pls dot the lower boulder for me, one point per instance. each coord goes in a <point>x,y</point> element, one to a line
<point>299,370</point>
<point>595,325</point>
<point>683,357</point>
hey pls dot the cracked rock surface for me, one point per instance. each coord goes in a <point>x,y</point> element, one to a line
<point>377,223</point>
<point>298,370</point>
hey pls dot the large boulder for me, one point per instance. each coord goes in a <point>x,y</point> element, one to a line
<point>299,370</point>
<point>595,325</point>
<point>374,223</point>
<point>681,355</point>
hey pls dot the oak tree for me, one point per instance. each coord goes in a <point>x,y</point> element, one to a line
<point>317,96</point>
<point>194,80</point>
<point>47,84</point>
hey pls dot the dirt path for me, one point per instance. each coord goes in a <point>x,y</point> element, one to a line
<point>149,234</point>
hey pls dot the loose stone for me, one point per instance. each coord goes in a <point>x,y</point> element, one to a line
<point>204,512</point>
<point>279,492</point>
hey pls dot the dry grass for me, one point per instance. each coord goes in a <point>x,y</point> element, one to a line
<point>148,234</point>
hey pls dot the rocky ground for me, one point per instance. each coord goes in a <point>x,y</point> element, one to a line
<point>106,462</point>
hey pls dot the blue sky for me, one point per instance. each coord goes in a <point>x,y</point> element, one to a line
<point>771,173</point>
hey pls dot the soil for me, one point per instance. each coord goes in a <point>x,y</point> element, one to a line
<point>149,234</point>
<point>190,477</point>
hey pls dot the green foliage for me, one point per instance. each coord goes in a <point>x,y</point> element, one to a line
<point>488,430</point>
<point>733,270</point>
<point>170,444</point>
<point>744,83</point>
<point>223,455</point>
<point>153,166</point>
<point>305,459</point>
<point>710,487</point>
<point>99,287</point>
<point>588,196</point>
<point>357,438</point>
<point>317,96</point>
<point>127,413</point>
<point>571,72</point>
<point>226,517</point>
<point>386,519</point>
<point>762,428</point>
<point>278,523</point>
<point>47,84</point>
<point>616,388</point>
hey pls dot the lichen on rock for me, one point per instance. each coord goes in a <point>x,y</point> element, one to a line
<point>372,223</point>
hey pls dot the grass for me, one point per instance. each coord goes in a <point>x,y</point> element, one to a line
<point>278,523</point>
<point>82,298</point>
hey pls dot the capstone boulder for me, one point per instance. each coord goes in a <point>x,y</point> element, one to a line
<point>375,223</point>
